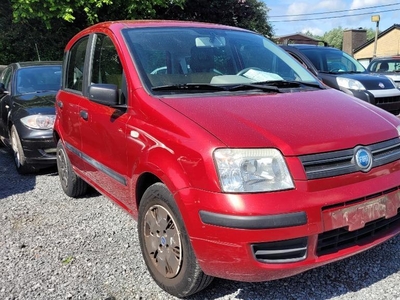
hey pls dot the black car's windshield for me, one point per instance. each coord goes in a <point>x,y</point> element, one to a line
<point>196,58</point>
<point>332,60</point>
<point>38,79</point>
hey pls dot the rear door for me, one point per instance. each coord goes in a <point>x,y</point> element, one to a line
<point>69,99</point>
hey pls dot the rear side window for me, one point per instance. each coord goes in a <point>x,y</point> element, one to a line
<point>74,73</point>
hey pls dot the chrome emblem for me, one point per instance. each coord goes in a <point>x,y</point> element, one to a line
<point>363,159</point>
<point>381,85</point>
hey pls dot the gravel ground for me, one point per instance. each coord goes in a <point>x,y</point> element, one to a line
<point>54,247</point>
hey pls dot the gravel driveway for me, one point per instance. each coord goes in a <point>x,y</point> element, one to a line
<point>54,247</point>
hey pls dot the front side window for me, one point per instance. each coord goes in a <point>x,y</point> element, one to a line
<point>75,66</point>
<point>6,77</point>
<point>206,56</point>
<point>107,66</point>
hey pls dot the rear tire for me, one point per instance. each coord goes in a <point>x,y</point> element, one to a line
<point>165,245</point>
<point>72,184</point>
<point>19,156</point>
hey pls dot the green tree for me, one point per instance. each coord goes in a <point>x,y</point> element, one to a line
<point>248,14</point>
<point>93,10</point>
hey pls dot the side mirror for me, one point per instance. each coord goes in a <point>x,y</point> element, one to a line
<point>2,89</point>
<point>106,94</point>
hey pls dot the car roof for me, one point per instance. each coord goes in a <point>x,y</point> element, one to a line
<point>25,64</point>
<point>119,24</point>
<point>395,57</point>
<point>308,46</point>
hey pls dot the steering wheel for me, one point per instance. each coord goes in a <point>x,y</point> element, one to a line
<point>241,72</point>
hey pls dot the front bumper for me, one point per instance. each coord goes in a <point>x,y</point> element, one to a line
<point>39,150</point>
<point>267,236</point>
<point>388,100</point>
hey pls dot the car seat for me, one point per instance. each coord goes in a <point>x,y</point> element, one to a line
<point>202,59</point>
<point>384,67</point>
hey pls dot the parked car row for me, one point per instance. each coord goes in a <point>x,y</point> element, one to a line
<point>340,71</point>
<point>235,160</point>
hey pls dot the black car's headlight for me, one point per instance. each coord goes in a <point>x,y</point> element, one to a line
<point>351,84</point>
<point>252,170</point>
<point>39,121</point>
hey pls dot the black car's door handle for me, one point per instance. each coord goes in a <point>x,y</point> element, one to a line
<point>84,114</point>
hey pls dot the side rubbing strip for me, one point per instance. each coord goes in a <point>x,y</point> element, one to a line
<point>254,222</point>
<point>94,163</point>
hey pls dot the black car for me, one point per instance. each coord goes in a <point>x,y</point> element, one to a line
<point>27,112</point>
<point>388,66</point>
<point>339,70</point>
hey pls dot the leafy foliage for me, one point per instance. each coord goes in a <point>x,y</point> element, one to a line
<point>334,37</point>
<point>40,29</point>
<point>249,14</point>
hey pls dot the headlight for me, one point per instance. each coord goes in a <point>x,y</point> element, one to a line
<point>39,121</point>
<point>252,170</point>
<point>350,83</point>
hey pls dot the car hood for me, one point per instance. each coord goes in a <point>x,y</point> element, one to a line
<point>34,103</point>
<point>369,81</point>
<point>296,123</point>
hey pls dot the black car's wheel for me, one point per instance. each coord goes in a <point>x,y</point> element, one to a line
<point>165,245</point>
<point>19,156</point>
<point>72,184</point>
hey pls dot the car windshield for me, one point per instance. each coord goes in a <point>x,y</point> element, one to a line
<point>38,79</point>
<point>332,60</point>
<point>205,58</point>
<point>385,66</point>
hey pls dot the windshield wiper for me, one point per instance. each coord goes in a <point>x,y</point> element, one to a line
<point>192,87</point>
<point>289,84</point>
<point>255,86</point>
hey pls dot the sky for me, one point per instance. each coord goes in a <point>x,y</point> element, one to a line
<point>320,16</point>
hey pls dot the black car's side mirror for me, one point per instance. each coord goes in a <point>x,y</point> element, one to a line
<point>2,88</point>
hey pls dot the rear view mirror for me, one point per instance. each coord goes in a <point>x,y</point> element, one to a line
<point>210,41</point>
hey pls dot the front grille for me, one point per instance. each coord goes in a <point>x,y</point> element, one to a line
<point>384,100</point>
<point>340,238</point>
<point>342,162</point>
<point>281,251</point>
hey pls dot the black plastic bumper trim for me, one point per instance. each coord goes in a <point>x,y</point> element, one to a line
<point>254,222</point>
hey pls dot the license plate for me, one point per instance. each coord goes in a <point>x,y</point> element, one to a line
<point>356,216</point>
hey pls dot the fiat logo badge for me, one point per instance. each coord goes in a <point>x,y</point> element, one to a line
<point>381,85</point>
<point>363,159</point>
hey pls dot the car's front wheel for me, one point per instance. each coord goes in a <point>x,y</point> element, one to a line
<point>19,156</point>
<point>165,245</point>
<point>72,184</point>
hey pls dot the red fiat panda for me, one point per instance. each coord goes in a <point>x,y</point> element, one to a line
<point>234,160</point>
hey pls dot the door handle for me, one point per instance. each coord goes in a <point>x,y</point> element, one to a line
<point>84,114</point>
<point>60,104</point>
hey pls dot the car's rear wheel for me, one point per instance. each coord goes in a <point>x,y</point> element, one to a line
<point>19,156</point>
<point>72,184</point>
<point>165,245</point>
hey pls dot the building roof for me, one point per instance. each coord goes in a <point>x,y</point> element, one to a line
<point>394,26</point>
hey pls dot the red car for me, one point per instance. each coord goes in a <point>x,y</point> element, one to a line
<point>234,159</point>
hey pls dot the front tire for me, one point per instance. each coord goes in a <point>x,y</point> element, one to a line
<point>165,245</point>
<point>72,184</point>
<point>19,156</point>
